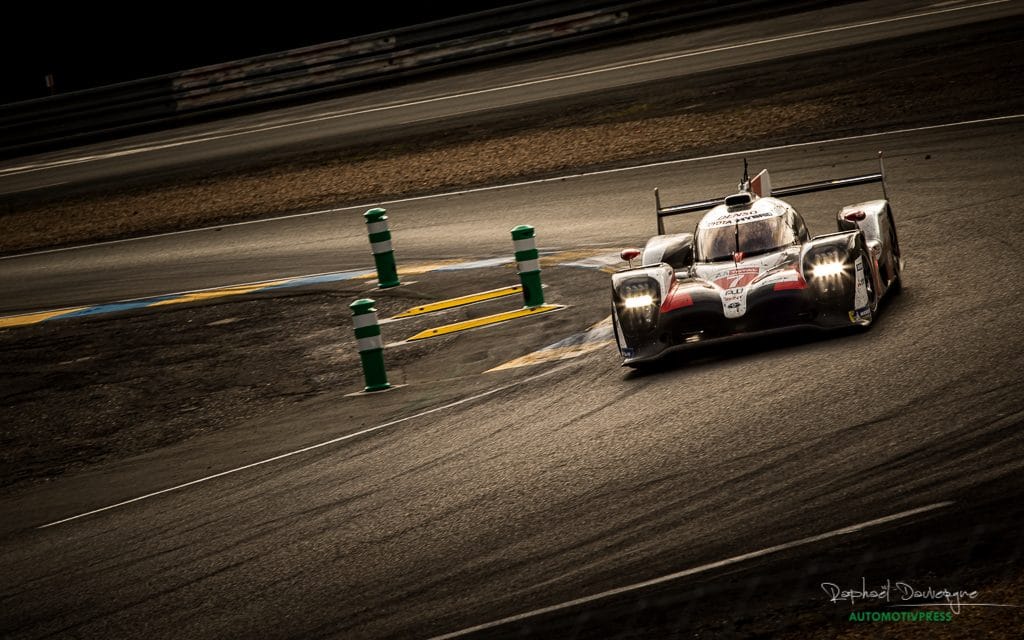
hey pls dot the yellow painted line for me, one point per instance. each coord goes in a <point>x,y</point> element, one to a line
<point>461,301</point>
<point>219,293</point>
<point>483,322</point>
<point>414,270</point>
<point>32,318</point>
<point>418,269</point>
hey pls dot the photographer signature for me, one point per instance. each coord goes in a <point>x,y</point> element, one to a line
<point>900,592</point>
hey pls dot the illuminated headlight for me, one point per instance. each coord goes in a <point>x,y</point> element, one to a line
<point>827,269</point>
<point>636,302</point>
<point>639,300</point>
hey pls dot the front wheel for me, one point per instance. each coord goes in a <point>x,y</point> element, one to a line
<point>896,286</point>
<point>865,298</point>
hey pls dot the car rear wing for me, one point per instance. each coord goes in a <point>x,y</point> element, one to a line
<point>761,185</point>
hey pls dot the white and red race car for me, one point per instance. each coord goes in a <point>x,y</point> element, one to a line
<point>752,266</point>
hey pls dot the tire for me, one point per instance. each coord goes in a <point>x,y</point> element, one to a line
<point>897,283</point>
<point>869,284</point>
<point>616,331</point>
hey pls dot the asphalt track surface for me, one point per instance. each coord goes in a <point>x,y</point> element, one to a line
<point>576,479</point>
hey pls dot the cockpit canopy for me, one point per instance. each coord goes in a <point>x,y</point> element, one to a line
<point>766,225</point>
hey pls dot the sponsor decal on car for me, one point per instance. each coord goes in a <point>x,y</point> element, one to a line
<point>730,219</point>
<point>734,280</point>
<point>860,297</point>
<point>864,313</point>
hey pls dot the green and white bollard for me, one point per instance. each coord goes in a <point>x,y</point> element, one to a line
<point>528,265</point>
<point>371,346</point>
<point>380,242</point>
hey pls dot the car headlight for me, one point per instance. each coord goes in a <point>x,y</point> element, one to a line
<point>636,302</point>
<point>828,269</point>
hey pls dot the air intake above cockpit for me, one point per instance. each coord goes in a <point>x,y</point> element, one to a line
<point>738,200</point>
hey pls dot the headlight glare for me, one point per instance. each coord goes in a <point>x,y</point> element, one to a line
<point>828,269</point>
<point>636,302</point>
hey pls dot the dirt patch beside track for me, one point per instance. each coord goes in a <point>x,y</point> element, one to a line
<point>80,392</point>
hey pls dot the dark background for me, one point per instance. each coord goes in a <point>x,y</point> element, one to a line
<point>91,45</point>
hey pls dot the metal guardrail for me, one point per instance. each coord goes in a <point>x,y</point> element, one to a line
<point>314,71</point>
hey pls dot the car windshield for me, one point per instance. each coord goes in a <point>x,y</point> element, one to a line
<point>757,236</point>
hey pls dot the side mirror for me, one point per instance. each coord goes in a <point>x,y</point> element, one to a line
<point>629,255</point>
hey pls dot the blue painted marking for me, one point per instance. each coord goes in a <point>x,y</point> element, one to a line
<point>327,277</point>
<point>130,305</point>
<point>477,264</point>
<point>294,282</point>
<point>596,262</point>
<point>115,307</point>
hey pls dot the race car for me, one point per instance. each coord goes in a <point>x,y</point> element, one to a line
<point>751,266</point>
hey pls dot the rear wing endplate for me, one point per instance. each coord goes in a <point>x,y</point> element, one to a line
<point>781,192</point>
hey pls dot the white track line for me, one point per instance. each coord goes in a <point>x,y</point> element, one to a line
<point>524,183</point>
<point>700,569</point>
<point>517,85</point>
<point>309,448</point>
